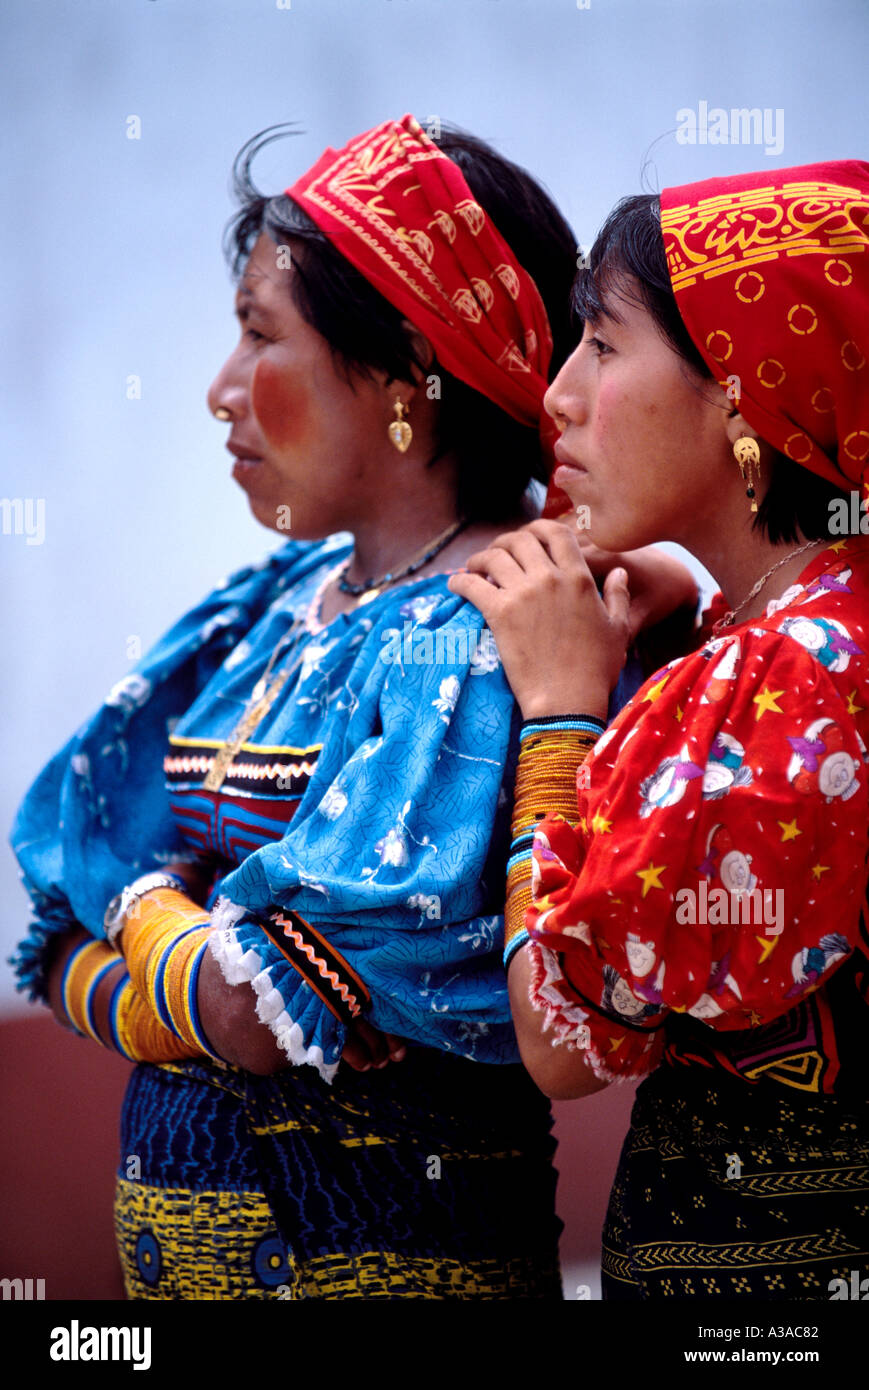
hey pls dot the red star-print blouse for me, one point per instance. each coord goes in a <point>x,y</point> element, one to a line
<point>718,865</point>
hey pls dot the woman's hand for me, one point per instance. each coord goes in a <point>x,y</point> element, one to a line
<point>659,584</point>
<point>366,1047</point>
<point>562,645</point>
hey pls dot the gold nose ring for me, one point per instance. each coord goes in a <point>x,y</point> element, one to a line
<point>221,413</point>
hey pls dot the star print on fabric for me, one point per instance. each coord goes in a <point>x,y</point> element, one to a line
<point>767,945</point>
<point>651,876</point>
<point>654,691</point>
<point>766,701</point>
<point>738,811</point>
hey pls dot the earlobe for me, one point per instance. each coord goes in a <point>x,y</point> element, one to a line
<point>738,427</point>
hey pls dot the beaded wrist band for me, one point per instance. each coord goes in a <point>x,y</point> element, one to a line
<point>132,1028</point>
<point>324,968</point>
<point>137,1034</point>
<point>87,965</point>
<point>164,943</point>
<point>550,752</point>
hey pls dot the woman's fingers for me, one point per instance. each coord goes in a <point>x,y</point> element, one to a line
<point>534,553</point>
<point>375,1041</point>
<point>366,1047</point>
<point>498,565</point>
<point>355,1053</point>
<point>397,1047</point>
<point>617,599</point>
<point>478,591</point>
<point>560,542</point>
<point>561,646</point>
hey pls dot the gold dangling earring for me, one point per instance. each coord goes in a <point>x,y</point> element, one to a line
<point>400,432</point>
<point>747,454</point>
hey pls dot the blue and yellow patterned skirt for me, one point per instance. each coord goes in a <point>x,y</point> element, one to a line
<point>432,1178</point>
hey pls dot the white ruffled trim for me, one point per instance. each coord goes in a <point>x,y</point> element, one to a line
<point>239,966</point>
<point>568,1021</point>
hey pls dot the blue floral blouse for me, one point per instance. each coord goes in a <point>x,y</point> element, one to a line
<point>373,799</point>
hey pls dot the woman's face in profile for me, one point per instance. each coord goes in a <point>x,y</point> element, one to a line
<point>643,442</point>
<point>301,432</point>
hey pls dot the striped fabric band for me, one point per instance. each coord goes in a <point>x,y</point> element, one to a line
<point>130,1027</point>
<point>324,968</point>
<point>137,1034</point>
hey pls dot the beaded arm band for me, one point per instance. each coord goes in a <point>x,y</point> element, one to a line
<point>551,750</point>
<point>132,1028</point>
<point>163,943</point>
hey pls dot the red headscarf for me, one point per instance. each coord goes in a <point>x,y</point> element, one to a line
<point>401,212</point>
<point>771,276</point>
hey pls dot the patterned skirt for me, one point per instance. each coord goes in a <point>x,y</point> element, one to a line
<point>432,1178</point>
<point>732,1190</point>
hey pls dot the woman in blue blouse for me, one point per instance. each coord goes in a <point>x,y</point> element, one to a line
<point>282,839</point>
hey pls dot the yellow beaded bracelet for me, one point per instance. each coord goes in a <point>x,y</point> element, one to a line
<point>164,942</point>
<point>551,751</point>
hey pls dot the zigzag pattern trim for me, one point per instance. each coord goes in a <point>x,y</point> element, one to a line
<point>679,1254</point>
<point>321,965</point>
<point>250,771</point>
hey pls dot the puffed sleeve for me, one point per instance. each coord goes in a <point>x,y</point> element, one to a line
<point>394,859</point>
<point>97,814</point>
<point>718,865</point>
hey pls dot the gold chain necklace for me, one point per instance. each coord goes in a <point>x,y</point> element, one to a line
<point>262,698</point>
<point>729,616</point>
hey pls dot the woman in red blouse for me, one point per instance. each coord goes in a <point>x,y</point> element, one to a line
<point>697,916</point>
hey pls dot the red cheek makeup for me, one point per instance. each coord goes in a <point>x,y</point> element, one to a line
<point>280,408</point>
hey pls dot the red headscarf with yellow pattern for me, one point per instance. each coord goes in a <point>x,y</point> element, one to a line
<point>401,212</point>
<point>771,276</point>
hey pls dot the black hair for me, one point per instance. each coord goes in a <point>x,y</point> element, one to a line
<point>631,243</point>
<point>497,456</point>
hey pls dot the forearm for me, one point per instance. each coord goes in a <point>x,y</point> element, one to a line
<point>166,947</point>
<point>90,992</point>
<point>229,1018</point>
<point>561,1073</point>
<point>551,753</point>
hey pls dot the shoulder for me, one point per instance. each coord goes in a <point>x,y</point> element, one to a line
<point>744,689</point>
<point>826,616</point>
<point>431,627</point>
